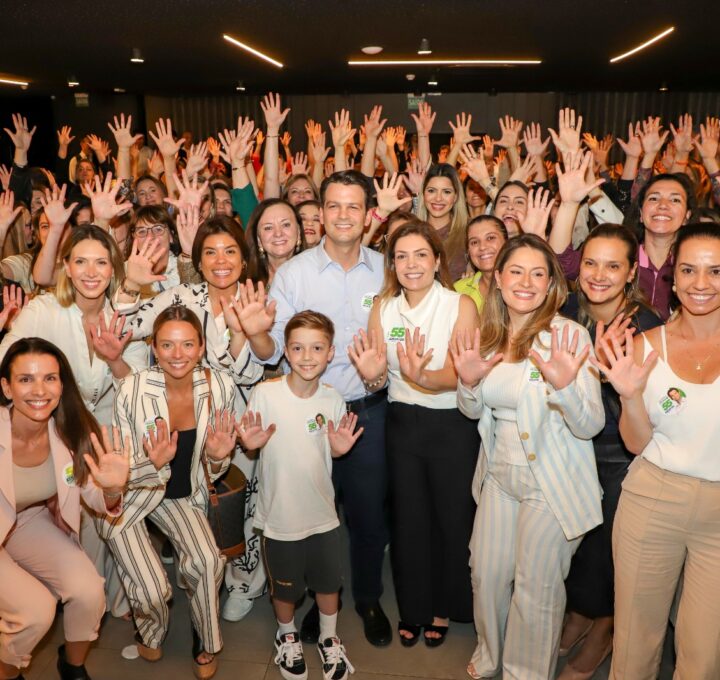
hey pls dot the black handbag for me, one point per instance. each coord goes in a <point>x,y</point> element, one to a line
<point>226,509</point>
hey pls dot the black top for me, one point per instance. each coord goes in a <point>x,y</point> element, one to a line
<point>643,320</point>
<point>179,485</point>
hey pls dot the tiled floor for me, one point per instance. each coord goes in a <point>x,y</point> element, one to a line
<point>248,651</point>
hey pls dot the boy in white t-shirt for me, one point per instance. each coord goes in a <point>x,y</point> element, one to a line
<point>296,500</point>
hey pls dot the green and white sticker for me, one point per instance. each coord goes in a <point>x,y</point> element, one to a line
<point>535,375</point>
<point>68,473</point>
<point>367,301</point>
<point>396,334</point>
<point>317,424</point>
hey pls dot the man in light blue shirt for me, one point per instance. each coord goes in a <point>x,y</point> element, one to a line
<point>340,278</point>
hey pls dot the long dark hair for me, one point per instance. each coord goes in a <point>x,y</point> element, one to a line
<point>73,421</point>
<point>220,224</point>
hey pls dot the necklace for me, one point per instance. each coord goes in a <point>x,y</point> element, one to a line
<point>698,364</point>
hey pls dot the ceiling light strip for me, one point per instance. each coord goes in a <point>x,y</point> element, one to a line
<point>7,81</point>
<point>443,62</point>
<point>659,36</point>
<point>252,50</point>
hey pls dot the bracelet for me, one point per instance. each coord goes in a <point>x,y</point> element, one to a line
<point>375,383</point>
<point>419,136</point>
<point>376,216</point>
<point>129,292</point>
<point>271,136</point>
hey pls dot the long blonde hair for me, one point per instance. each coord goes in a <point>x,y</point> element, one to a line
<point>495,327</point>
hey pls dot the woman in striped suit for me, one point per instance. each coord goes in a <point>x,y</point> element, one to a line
<point>526,378</point>
<point>179,419</point>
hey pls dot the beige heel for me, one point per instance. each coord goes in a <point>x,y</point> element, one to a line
<point>203,671</point>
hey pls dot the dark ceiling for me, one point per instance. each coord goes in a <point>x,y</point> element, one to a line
<point>181,41</point>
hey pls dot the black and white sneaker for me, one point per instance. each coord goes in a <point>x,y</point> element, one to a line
<point>335,664</point>
<point>289,657</point>
<point>166,552</point>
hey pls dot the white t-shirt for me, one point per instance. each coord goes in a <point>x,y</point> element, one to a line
<point>296,498</point>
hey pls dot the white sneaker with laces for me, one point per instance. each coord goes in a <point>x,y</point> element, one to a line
<point>335,664</point>
<point>289,657</point>
<point>236,607</point>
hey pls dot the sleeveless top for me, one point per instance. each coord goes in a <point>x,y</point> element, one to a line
<point>684,416</point>
<point>435,316</point>
<point>34,484</point>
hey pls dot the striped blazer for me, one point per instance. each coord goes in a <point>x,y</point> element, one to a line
<point>139,400</point>
<point>556,429</point>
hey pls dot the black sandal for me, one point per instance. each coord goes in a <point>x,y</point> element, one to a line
<point>414,632</point>
<point>435,641</point>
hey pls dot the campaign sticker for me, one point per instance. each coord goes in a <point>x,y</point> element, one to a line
<point>68,473</point>
<point>316,425</point>
<point>150,426</point>
<point>367,301</point>
<point>396,334</point>
<point>535,375</point>
<point>673,401</point>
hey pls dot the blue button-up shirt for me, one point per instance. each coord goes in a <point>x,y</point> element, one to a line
<point>311,280</point>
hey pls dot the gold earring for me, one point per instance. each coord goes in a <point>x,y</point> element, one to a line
<point>261,250</point>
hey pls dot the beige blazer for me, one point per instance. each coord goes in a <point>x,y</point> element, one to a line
<point>69,494</point>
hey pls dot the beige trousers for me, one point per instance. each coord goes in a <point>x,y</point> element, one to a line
<point>39,565</point>
<point>665,522</point>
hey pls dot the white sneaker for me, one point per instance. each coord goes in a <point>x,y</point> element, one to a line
<point>289,657</point>
<point>236,607</point>
<point>335,664</point>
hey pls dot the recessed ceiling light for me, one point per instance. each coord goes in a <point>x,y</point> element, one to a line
<point>663,87</point>
<point>652,40</point>
<point>433,80</point>
<point>372,49</point>
<point>444,62</point>
<point>424,47</point>
<point>252,50</point>
<point>434,94</point>
<point>119,90</point>
<point>9,81</point>
<point>73,81</point>
<point>137,57</point>
<point>410,76</point>
<point>240,87</point>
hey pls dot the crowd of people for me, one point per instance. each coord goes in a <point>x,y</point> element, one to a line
<point>502,367</point>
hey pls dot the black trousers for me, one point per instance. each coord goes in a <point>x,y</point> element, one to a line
<point>590,585</point>
<point>432,455</point>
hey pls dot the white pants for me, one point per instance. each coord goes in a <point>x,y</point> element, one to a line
<point>245,575</point>
<point>519,560</point>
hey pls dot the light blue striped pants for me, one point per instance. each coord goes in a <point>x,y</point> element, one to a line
<point>519,560</point>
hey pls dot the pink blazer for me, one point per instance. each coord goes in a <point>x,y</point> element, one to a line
<point>69,494</point>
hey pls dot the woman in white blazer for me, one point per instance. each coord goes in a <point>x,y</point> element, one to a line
<point>51,459</point>
<point>525,376</point>
<point>179,420</point>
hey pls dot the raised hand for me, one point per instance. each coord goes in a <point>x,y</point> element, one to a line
<point>257,315</point>
<point>103,198</point>
<point>532,139</point>
<point>425,119</point>
<point>342,130</point>
<point>616,329</point>
<point>488,148</point>
<point>369,355</point>
<point>509,132</point>
<point>470,366</point>
<point>567,138</point>
<point>599,148</point>
<point>344,437</point>
<point>524,172</point>
<point>221,437</point>
<point>415,176</point>
<point>14,300</point>
<point>8,213</point>
<point>139,266</point>
<point>627,378</point>
<point>197,159</point>
<point>400,134</point>
<point>389,137</point>
<point>21,136</point>
<point>110,467</point>
<point>155,164</point>
<point>160,445</point>
<point>5,175</point>
<point>461,129</point>
<point>274,114</point>
<point>633,147</point>
<point>565,360</point>
<point>412,356</point>
<point>164,141</point>
<point>187,223</point>
<point>231,310</point>
<point>299,164</point>
<point>109,340</point>
<point>99,147</point>
<point>65,136</point>
<point>213,148</point>
<point>53,204</point>
<point>318,149</point>
<point>709,138</point>
<point>474,165</point>
<point>373,123</point>
<point>683,134</point>
<point>121,130</point>
<point>387,194</point>
<point>572,183</point>
<point>251,432</point>
<point>540,204</point>
<point>238,145</point>
<point>651,138</point>
<point>189,193</point>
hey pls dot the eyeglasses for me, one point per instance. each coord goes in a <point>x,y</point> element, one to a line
<point>155,230</point>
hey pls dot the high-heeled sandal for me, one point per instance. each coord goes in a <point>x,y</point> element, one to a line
<point>435,641</point>
<point>202,671</point>
<point>151,654</point>
<point>414,633</point>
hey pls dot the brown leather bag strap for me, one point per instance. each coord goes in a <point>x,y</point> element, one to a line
<point>203,458</point>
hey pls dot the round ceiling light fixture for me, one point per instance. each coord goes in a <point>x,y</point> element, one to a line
<point>371,49</point>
